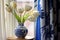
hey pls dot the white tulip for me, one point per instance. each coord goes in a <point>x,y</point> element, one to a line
<point>21,10</point>
<point>28,8</point>
<point>8,9</point>
<point>31,19</point>
<point>13,4</point>
<point>33,16</point>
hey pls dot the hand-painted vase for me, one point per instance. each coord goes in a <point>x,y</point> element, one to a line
<point>21,31</point>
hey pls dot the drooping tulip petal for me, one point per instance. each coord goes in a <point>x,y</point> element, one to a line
<point>21,10</point>
<point>31,19</point>
<point>8,9</point>
<point>13,4</point>
<point>33,16</point>
<point>36,14</point>
<point>27,7</point>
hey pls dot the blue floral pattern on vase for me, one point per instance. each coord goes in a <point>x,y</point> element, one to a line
<point>21,31</point>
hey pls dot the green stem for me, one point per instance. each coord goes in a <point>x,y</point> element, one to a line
<point>25,17</point>
<point>16,16</point>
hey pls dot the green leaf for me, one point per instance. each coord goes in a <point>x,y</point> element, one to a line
<point>17,17</point>
<point>22,19</point>
<point>26,17</point>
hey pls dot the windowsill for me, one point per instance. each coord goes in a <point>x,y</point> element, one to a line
<point>11,38</point>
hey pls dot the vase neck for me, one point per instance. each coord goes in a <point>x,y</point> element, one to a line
<point>21,24</point>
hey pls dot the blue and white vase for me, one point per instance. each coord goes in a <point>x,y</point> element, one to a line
<point>21,31</point>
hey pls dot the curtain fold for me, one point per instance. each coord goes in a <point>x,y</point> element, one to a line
<point>44,23</point>
<point>37,7</point>
<point>2,21</point>
<point>49,35</point>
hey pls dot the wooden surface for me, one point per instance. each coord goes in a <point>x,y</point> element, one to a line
<point>11,38</point>
<point>15,38</point>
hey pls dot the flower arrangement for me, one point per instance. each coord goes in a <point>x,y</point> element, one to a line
<point>22,14</point>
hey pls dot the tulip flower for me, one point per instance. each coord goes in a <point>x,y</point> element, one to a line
<point>13,4</point>
<point>21,10</point>
<point>33,16</point>
<point>28,8</point>
<point>8,8</point>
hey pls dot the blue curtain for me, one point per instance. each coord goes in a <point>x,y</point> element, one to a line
<point>49,28</point>
<point>40,23</point>
<point>44,23</point>
<point>38,33</point>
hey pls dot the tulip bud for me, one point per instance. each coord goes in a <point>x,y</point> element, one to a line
<point>21,10</point>
<point>28,8</point>
<point>8,9</point>
<point>13,4</point>
<point>33,16</point>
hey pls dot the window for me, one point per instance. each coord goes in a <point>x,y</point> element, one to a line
<point>8,22</point>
